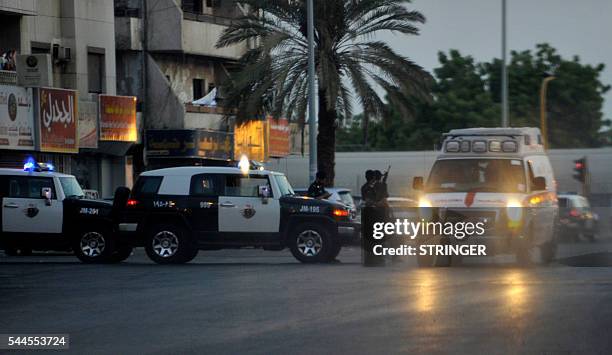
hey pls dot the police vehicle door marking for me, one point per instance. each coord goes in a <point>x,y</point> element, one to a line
<point>89,210</point>
<point>310,209</point>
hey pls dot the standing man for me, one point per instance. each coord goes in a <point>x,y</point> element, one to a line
<point>317,188</point>
<point>368,191</point>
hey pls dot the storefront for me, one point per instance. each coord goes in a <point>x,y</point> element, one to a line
<point>88,138</point>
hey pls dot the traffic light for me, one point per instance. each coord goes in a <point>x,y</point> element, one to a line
<point>580,169</point>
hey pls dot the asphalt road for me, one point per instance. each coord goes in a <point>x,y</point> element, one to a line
<point>250,301</point>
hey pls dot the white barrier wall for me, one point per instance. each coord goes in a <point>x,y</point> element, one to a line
<point>350,168</point>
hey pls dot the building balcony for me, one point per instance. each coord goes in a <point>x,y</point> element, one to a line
<point>170,29</point>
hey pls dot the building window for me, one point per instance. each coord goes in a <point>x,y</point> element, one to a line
<point>40,48</point>
<point>198,88</point>
<point>193,6</point>
<point>210,3</point>
<point>95,72</point>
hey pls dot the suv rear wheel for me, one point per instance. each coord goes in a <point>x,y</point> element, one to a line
<point>94,245</point>
<point>312,243</point>
<point>169,244</point>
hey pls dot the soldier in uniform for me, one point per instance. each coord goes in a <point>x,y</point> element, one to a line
<point>317,188</point>
<point>368,191</point>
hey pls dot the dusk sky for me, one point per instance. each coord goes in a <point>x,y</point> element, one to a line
<point>582,28</point>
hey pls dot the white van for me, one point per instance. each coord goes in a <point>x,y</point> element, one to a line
<point>500,177</point>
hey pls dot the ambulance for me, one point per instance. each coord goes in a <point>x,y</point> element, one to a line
<point>500,178</point>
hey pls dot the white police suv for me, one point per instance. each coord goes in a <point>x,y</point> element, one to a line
<point>46,210</point>
<point>175,212</point>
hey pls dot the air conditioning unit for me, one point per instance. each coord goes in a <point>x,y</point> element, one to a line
<point>61,53</point>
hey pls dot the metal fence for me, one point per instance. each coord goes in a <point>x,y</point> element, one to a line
<point>8,77</point>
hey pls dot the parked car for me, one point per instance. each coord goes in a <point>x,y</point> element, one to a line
<point>576,218</point>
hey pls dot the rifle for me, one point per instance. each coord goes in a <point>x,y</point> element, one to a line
<point>386,174</point>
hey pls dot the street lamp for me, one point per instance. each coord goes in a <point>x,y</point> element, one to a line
<point>543,118</point>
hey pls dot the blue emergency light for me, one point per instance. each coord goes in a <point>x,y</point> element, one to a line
<point>31,165</point>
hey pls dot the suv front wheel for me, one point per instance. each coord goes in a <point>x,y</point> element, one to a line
<point>312,243</point>
<point>169,244</point>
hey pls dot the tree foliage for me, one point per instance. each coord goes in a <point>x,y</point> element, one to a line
<point>467,94</point>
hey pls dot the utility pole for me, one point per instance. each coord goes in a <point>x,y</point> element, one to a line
<point>312,122</point>
<point>505,121</point>
<point>143,98</point>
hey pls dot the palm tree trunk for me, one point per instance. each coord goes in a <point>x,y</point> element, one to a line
<point>326,140</point>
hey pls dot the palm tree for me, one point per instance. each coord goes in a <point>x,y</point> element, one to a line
<point>348,60</point>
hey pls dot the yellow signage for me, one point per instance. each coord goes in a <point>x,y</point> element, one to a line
<point>250,138</point>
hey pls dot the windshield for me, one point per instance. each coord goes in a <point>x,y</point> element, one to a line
<point>346,198</point>
<point>284,185</point>
<point>71,187</point>
<point>486,175</point>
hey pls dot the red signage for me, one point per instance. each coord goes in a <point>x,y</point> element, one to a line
<point>57,121</point>
<point>279,137</point>
<point>118,118</point>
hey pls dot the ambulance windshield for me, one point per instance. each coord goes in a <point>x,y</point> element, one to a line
<point>477,175</point>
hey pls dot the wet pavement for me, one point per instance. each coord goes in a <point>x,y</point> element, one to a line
<point>251,301</point>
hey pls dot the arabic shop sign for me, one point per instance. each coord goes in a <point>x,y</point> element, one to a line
<point>189,144</point>
<point>171,143</point>
<point>88,124</point>
<point>57,120</point>
<point>16,118</point>
<point>118,118</point>
<point>215,145</point>
<point>278,137</point>
<point>250,140</point>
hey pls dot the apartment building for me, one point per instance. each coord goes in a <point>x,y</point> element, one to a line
<point>66,119</point>
<point>166,55</point>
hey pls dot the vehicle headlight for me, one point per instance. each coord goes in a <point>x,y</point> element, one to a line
<point>514,210</point>
<point>424,202</point>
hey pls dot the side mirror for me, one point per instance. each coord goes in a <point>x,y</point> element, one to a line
<point>417,183</point>
<point>46,193</point>
<point>539,183</point>
<point>263,191</point>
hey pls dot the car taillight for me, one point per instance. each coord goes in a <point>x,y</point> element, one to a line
<point>574,213</point>
<point>132,202</point>
<point>341,212</point>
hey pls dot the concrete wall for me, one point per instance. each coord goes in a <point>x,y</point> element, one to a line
<point>94,25</point>
<point>164,109</point>
<point>128,33</point>
<point>350,168</point>
<point>201,37</point>
<point>77,24</point>
<point>129,73</point>
<point>182,69</point>
<point>164,18</point>
<point>23,7</point>
<point>213,121</point>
